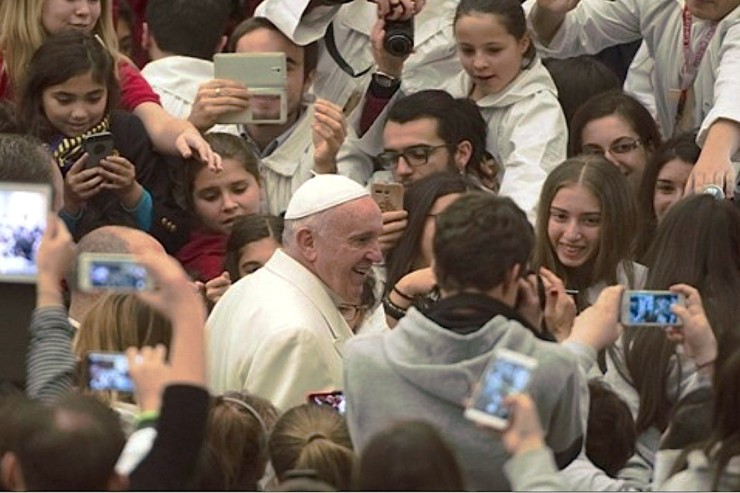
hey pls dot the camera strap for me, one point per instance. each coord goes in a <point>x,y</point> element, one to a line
<point>331,45</point>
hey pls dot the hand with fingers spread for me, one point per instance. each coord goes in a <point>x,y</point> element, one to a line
<point>150,373</point>
<point>560,308</point>
<point>216,98</point>
<point>329,129</point>
<point>191,141</point>
<point>598,325</point>
<point>710,171</point>
<point>394,224</point>
<point>119,176</point>
<point>696,334</point>
<point>81,184</point>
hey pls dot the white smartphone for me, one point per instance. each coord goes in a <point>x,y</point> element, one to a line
<point>108,371</point>
<point>508,373</point>
<point>650,308</point>
<point>265,75</point>
<point>111,272</point>
<point>24,208</point>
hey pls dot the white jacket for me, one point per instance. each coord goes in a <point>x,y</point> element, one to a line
<point>276,334</point>
<point>433,62</point>
<point>596,24</point>
<point>527,132</point>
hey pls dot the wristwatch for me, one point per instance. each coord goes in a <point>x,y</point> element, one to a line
<point>386,81</point>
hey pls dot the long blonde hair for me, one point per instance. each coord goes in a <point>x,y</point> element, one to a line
<point>118,321</point>
<point>22,33</point>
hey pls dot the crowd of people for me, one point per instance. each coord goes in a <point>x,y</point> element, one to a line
<point>296,333</point>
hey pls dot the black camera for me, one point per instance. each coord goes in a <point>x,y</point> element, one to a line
<point>399,37</point>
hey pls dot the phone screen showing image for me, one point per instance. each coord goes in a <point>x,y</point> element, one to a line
<point>23,214</point>
<point>651,308</point>
<point>117,275</point>
<point>108,371</point>
<point>503,378</point>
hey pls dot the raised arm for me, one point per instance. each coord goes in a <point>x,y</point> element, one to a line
<point>51,364</point>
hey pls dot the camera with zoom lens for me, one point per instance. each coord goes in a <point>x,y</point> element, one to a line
<point>399,37</point>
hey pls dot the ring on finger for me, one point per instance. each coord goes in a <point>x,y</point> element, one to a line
<point>218,91</point>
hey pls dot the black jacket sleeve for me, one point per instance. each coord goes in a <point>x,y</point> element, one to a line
<point>171,462</point>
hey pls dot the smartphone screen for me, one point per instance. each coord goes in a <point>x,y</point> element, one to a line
<point>333,399</point>
<point>108,371</point>
<point>112,272</point>
<point>508,373</point>
<point>650,308</point>
<point>24,208</point>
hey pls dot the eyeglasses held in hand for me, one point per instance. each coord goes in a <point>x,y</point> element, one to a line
<point>619,146</point>
<point>414,156</point>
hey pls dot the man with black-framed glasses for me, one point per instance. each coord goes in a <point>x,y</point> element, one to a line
<point>425,133</point>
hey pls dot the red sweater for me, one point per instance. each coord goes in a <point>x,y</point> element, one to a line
<point>203,256</point>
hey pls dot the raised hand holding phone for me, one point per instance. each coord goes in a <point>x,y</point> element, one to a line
<point>696,334</point>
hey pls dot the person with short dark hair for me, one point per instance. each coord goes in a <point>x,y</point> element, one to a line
<point>426,367</point>
<point>182,37</point>
<point>72,445</point>
<point>611,436</point>
<point>409,456</point>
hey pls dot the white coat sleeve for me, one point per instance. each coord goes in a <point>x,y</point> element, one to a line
<point>593,26</point>
<point>726,102</point>
<point>532,141</point>
<point>291,18</point>
<point>639,81</point>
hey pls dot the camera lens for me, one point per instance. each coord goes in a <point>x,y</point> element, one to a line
<point>399,37</point>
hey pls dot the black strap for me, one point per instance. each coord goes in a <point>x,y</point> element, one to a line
<point>331,45</point>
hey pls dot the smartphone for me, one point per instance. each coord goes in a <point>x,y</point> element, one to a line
<point>111,272</point>
<point>650,308</point>
<point>24,208</point>
<point>508,373</point>
<point>334,399</point>
<point>98,146</point>
<point>388,196</point>
<point>265,76</point>
<point>108,371</point>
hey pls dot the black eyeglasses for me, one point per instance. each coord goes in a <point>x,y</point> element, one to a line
<point>619,146</point>
<point>414,156</point>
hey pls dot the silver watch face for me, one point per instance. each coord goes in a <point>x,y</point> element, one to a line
<point>385,81</point>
